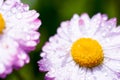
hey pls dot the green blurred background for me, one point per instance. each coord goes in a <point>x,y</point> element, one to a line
<point>52,13</point>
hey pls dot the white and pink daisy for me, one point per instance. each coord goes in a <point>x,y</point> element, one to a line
<point>83,49</point>
<point>18,34</point>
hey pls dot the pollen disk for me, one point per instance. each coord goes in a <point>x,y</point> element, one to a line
<point>87,52</point>
<point>2,23</point>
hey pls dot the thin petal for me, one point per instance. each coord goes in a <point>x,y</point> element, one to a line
<point>1,2</point>
<point>106,27</point>
<point>112,52</point>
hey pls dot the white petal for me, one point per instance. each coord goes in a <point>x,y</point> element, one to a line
<point>114,65</point>
<point>99,75</point>
<point>112,52</point>
<point>89,75</point>
<point>105,27</point>
<point>95,23</point>
<point>2,68</point>
<point>1,2</point>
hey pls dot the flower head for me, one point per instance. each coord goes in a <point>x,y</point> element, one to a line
<point>18,34</point>
<point>83,49</point>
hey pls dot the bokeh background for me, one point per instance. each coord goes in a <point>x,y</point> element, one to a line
<point>52,13</point>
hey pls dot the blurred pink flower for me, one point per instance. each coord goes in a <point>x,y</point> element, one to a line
<point>18,34</point>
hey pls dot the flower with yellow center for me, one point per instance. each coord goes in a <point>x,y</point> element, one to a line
<point>83,49</point>
<point>18,35</point>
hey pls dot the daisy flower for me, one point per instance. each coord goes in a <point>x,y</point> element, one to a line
<point>84,48</point>
<point>18,34</point>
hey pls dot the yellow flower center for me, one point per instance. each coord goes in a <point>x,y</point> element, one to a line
<point>2,23</point>
<point>87,52</point>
